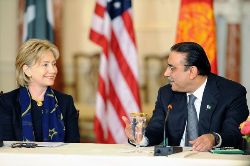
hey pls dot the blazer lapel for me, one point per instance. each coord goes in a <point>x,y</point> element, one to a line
<point>208,104</point>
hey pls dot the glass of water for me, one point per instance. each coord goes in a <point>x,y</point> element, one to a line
<point>138,126</point>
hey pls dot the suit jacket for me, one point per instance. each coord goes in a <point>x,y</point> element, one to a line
<point>223,108</point>
<point>10,117</point>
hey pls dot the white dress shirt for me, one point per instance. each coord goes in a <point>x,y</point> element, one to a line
<point>197,103</point>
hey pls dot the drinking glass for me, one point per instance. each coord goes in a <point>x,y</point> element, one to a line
<point>138,125</point>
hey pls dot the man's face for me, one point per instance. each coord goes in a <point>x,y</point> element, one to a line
<point>177,73</point>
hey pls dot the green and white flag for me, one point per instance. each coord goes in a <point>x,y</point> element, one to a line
<point>38,20</point>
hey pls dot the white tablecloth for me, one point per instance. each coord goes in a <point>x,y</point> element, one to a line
<point>110,154</point>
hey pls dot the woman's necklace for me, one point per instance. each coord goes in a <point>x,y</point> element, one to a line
<point>39,103</point>
<point>37,95</point>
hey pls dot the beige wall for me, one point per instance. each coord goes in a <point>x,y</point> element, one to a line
<point>8,43</point>
<point>76,22</point>
<point>155,24</point>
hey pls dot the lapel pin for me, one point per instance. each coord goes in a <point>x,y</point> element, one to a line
<point>208,107</point>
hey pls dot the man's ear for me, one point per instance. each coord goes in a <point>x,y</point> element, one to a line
<point>193,72</point>
<point>26,70</point>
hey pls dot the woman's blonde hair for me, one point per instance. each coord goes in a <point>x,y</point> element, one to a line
<point>28,54</point>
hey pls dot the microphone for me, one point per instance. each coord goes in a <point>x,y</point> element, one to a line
<point>165,122</point>
<point>164,150</point>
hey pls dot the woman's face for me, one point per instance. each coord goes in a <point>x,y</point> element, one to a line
<point>43,72</point>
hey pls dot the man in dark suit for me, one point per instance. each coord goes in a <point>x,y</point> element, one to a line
<point>220,104</point>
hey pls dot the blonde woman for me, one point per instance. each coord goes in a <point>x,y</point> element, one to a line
<point>35,111</point>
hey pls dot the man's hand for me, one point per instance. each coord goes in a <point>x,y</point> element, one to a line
<point>203,143</point>
<point>127,128</point>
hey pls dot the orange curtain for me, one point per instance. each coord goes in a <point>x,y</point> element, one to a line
<point>196,23</point>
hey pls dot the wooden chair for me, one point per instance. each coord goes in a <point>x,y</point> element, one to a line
<point>158,75</point>
<point>91,76</point>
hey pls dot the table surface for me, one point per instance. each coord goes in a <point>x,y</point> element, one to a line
<point>110,154</point>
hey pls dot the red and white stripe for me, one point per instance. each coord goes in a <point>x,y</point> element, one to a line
<point>118,90</point>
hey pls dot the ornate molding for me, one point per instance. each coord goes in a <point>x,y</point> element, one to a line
<point>230,9</point>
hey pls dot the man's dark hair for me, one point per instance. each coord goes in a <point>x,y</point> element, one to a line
<point>196,56</point>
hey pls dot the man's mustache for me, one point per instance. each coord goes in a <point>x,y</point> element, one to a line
<point>170,79</point>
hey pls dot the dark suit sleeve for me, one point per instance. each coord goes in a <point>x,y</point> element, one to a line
<point>235,114</point>
<point>10,122</point>
<point>71,123</point>
<point>155,127</point>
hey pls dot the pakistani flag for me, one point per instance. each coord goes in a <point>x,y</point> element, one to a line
<point>38,20</point>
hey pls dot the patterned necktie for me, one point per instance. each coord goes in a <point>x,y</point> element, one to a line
<point>192,121</point>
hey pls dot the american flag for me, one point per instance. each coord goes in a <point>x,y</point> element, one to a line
<point>118,90</point>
